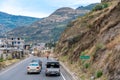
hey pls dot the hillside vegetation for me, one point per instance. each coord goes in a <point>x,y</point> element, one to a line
<point>9,22</point>
<point>89,7</point>
<point>97,35</point>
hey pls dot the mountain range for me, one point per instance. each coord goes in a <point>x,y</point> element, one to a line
<point>49,28</point>
<point>89,7</point>
<point>9,22</point>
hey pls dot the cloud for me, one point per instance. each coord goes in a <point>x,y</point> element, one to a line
<point>20,11</point>
<point>72,3</point>
<point>39,8</point>
<point>35,14</point>
<point>12,7</point>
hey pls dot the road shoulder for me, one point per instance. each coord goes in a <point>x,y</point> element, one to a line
<point>72,77</point>
<point>10,63</point>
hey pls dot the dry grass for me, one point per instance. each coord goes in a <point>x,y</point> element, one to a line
<point>114,42</point>
<point>8,62</point>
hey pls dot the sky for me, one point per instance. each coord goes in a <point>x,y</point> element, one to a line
<point>39,8</point>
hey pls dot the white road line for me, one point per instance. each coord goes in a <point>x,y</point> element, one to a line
<point>13,67</point>
<point>63,76</point>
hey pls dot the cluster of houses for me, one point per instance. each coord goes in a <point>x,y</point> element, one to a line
<point>40,49</point>
<point>11,48</point>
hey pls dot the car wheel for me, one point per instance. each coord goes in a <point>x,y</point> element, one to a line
<point>46,74</point>
<point>28,73</point>
<point>58,74</point>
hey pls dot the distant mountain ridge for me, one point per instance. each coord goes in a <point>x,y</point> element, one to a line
<point>9,22</point>
<point>89,7</point>
<point>61,15</point>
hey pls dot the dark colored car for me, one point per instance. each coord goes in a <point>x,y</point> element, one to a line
<point>52,68</point>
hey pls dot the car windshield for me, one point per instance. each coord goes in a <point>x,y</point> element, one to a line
<point>53,65</point>
<point>33,64</point>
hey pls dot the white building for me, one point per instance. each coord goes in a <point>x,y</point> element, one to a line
<point>3,42</point>
<point>16,43</point>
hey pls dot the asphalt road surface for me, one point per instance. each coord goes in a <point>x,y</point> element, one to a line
<point>19,72</point>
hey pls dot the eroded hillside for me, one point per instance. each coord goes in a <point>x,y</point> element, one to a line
<point>97,35</point>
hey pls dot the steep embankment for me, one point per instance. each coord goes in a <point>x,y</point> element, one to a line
<point>97,35</point>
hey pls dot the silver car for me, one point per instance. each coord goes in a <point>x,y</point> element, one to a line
<point>52,68</point>
<point>33,67</point>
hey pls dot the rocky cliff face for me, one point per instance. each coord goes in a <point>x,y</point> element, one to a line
<point>98,36</point>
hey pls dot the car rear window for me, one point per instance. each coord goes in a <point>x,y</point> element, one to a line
<point>34,65</point>
<point>35,61</point>
<point>52,65</point>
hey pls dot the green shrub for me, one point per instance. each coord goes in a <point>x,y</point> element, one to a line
<point>89,25</point>
<point>9,58</point>
<point>100,6</point>
<point>64,58</point>
<point>105,5</point>
<point>1,60</point>
<point>99,74</point>
<point>82,53</point>
<point>83,61</point>
<point>86,65</point>
<point>100,46</point>
<point>71,24</point>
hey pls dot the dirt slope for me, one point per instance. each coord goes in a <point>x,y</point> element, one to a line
<point>97,35</point>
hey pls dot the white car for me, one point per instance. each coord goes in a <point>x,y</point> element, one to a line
<point>34,67</point>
